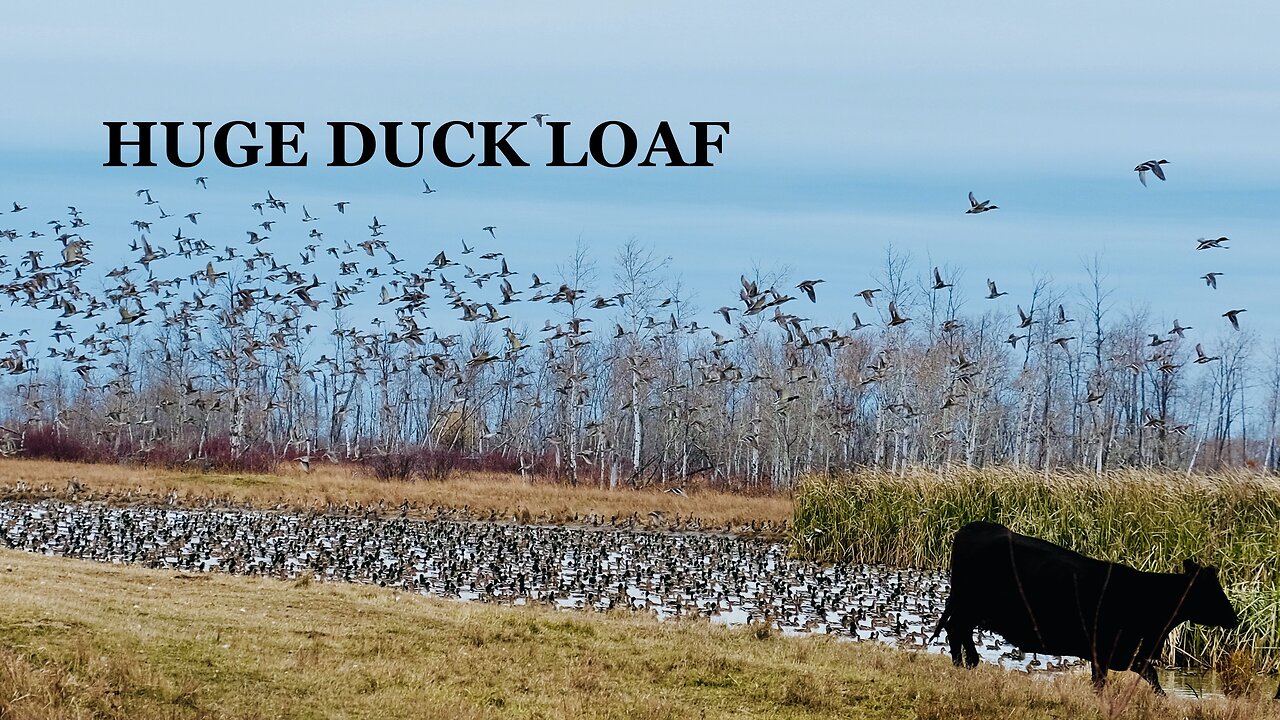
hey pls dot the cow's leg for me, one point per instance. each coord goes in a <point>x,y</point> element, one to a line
<point>1148,673</point>
<point>1099,672</point>
<point>956,660</point>
<point>960,640</point>
<point>955,641</point>
<point>971,656</point>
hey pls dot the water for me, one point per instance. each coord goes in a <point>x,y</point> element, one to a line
<point>725,579</point>
<point>1190,684</point>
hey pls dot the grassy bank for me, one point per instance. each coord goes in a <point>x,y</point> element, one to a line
<point>477,495</point>
<point>1147,520</point>
<point>84,640</point>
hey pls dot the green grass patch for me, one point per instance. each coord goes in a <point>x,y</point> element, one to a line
<point>1151,521</point>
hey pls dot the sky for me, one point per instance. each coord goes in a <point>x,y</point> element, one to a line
<point>854,126</point>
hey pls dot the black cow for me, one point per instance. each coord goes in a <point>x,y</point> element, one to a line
<point>1045,598</point>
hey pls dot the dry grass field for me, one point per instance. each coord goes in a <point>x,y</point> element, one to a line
<point>500,497</point>
<point>85,640</point>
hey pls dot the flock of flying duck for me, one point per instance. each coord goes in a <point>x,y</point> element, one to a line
<point>1210,279</point>
<point>262,275</point>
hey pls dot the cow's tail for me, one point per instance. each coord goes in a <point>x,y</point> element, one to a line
<point>937,629</point>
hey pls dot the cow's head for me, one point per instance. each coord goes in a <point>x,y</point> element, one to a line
<point>1206,603</point>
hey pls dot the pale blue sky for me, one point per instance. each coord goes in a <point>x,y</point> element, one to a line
<point>853,125</point>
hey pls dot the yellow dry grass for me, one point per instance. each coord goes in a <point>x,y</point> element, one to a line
<point>481,495</point>
<point>85,640</point>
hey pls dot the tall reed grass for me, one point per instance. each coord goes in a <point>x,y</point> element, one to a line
<point>1148,520</point>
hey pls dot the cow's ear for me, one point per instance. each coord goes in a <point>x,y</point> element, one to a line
<point>1190,566</point>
